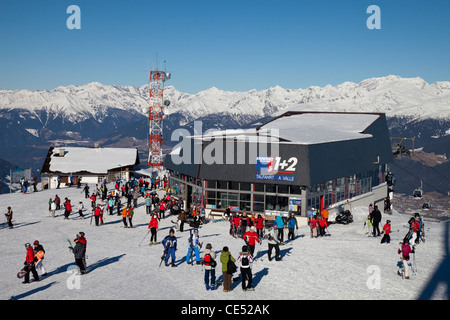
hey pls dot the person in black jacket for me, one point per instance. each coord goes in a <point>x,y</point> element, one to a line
<point>79,252</point>
<point>376,219</point>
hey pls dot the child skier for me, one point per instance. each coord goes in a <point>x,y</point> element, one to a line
<point>170,245</point>
<point>245,258</point>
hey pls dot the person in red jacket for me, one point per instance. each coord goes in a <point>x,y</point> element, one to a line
<point>153,226</point>
<point>260,226</point>
<point>251,237</point>
<point>29,263</point>
<point>386,231</point>
<point>68,209</point>
<point>414,227</point>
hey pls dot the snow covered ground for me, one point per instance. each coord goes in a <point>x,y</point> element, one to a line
<point>343,265</point>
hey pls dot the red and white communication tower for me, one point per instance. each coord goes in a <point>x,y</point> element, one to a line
<point>156,113</point>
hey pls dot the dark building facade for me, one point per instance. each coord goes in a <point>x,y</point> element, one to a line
<point>295,162</point>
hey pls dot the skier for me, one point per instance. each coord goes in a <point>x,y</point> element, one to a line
<point>322,226</point>
<point>53,208</point>
<point>250,238</point>
<point>245,258</point>
<point>79,252</point>
<point>280,226</point>
<point>260,226</point>
<point>292,223</point>
<point>80,209</point>
<point>414,229</point>
<point>86,191</point>
<point>209,265</point>
<point>68,208</point>
<point>39,253</point>
<point>193,246</point>
<point>153,226</point>
<point>130,216</point>
<point>368,223</point>
<point>29,263</point>
<point>273,243</point>
<point>406,251</point>
<point>9,216</point>
<point>376,219</point>
<point>110,205</point>
<point>148,204</point>
<point>124,216</point>
<point>386,231</point>
<point>170,244</point>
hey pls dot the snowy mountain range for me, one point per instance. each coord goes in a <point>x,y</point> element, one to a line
<point>30,121</point>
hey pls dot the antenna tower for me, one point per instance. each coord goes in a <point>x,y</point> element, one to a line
<point>156,113</point>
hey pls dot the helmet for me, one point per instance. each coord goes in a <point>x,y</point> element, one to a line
<point>36,243</point>
<point>27,245</point>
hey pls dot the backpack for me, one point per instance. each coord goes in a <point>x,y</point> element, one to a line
<point>245,261</point>
<point>209,261</point>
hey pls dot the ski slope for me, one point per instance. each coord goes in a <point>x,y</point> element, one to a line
<point>346,264</point>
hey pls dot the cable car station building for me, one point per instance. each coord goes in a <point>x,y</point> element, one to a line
<point>297,161</point>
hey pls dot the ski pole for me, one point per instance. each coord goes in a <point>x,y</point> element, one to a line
<point>144,237</point>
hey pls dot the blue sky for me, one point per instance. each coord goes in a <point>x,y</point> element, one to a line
<point>232,45</point>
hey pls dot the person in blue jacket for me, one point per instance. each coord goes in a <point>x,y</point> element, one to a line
<point>193,246</point>
<point>280,227</point>
<point>170,244</point>
<point>292,223</point>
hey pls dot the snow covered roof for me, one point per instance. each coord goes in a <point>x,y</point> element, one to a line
<point>301,128</point>
<point>321,127</point>
<point>93,160</point>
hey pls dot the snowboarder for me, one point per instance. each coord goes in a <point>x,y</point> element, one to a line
<point>193,247</point>
<point>153,226</point>
<point>29,263</point>
<point>386,231</point>
<point>245,258</point>
<point>273,243</point>
<point>170,244</point>
<point>39,253</point>
<point>9,216</point>
<point>209,265</point>
<point>79,252</point>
